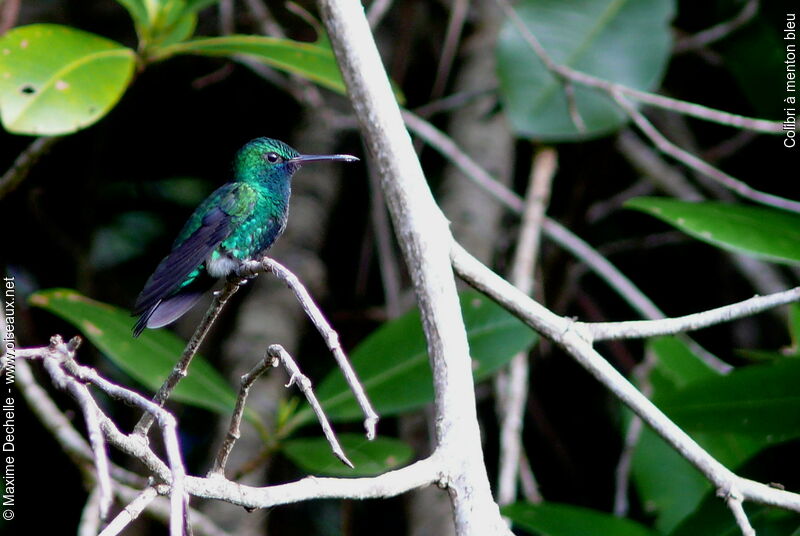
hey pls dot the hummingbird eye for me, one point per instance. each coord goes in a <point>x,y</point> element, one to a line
<point>273,158</point>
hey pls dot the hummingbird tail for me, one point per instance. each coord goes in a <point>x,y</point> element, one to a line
<point>167,311</point>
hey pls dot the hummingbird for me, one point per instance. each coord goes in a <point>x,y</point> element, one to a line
<point>239,221</point>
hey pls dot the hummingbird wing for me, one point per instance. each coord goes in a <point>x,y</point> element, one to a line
<point>176,283</point>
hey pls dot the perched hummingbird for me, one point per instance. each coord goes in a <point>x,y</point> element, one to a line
<point>237,222</point>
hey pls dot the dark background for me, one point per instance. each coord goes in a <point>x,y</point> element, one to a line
<point>173,123</point>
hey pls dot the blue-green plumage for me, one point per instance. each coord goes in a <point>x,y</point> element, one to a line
<point>237,222</point>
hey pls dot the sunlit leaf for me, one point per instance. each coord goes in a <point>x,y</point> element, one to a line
<point>761,232</point>
<point>309,60</point>
<point>56,80</point>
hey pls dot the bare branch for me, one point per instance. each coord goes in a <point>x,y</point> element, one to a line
<point>699,164</point>
<point>390,484</point>
<point>328,334</point>
<point>277,352</point>
<point>575,339</point>
<point>718,31</point>
<point>552,229</point>
<point>734,502</point>
<point>234,432</point>
<point>130,512</point>
<point>89,524</point>
<point>181,368</point>
<point>511,386</point>
<point>59,362</point>
<point>642,329</point>
<point>425,238</point>
<point>24,162</point>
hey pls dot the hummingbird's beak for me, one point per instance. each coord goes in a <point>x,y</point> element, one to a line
<point>303,158</point>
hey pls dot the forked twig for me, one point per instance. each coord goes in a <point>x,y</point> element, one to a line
<point>328,334</point>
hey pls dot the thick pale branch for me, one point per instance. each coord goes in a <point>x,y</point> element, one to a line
<point>576,341</point>
<point>425,239</point>
<point>418,474</point>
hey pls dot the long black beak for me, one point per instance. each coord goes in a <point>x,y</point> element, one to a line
<point>303,158</point>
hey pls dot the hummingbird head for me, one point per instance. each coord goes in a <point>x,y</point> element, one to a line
<point>273,159</point>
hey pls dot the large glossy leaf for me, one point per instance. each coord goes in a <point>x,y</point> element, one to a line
<point>309,60</point>
<point>369,458</point>
<point>56,80</point>
<point>623,41</point>
<point>393,366</point>
<point>766,233</point>
<point>761,401</point>
<point>553,519</point>
<point>667,484</point>
<point>147,359</point>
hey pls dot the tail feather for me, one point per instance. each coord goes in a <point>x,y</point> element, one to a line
<point>171,308</point>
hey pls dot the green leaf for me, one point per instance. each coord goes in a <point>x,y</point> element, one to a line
<point>309,60</point>
<point>622,41</point>
<point>148,359</point>
<point>370,458</point>
<point>553,519</point>
<point>761,232</point>
<point>761,401</point>
<point>393,366</point>
<point>123,239</point>
<point>667,483</point>
<point>714,517</point>
<point>56,80</point>
<point>136,10</point>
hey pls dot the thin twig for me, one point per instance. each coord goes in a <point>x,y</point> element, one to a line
<point>455,24</point>
<point>130,512</point>
<point>642,329</point>
<point>328,334</point>
<point>377,10</point>
<point>296,377</point>
<point>552,229</point>
<point>700,165</point>
<point>89,525</point>
<point>734,502</point>
<point>572,106</point>
<point>22,165</point>
<point>91,415</point>
<point>234,431</point>
<point>511,386</point>
<point>65,372</point>
<point>387,257</point>
<point>641,375</point>
<point>181,368</point>
<point>576,341</point>
<point>718,31</point>
<point>675,105</point>
<point>9,12</point>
